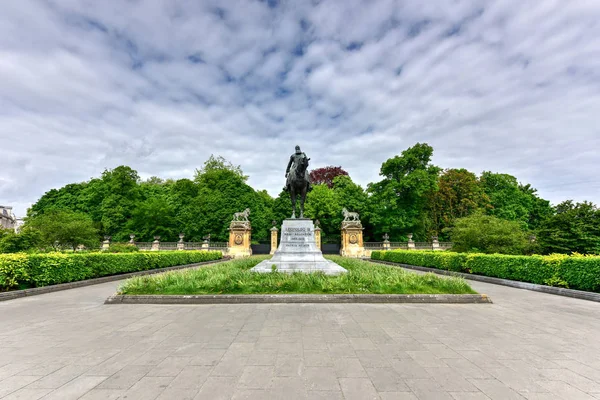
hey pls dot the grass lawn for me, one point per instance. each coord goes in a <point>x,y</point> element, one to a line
<point>234,277</point>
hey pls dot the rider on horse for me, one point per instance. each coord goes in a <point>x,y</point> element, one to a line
<point>292,164</point>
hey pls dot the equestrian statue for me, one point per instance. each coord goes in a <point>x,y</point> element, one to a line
<point>298,180</point>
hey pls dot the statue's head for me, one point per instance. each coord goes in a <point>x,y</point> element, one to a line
<point>298,150</point>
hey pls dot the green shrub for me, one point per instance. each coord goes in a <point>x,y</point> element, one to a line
<point>122,248</point>
<point>53,268</point>
<point>575,272</point>
<point>13,269</point>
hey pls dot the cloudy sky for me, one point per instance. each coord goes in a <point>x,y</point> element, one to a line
<point>507,86</point>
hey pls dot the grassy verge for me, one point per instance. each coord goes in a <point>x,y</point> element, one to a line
<point>235,277</point>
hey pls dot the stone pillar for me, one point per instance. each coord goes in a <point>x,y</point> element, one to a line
<point>180,244</point>
<point>411,243</point>
<point>240,236</point>
<point>386,242</point>
<point>106,243</point>
<point>131,239</point>
<point>318,237</point>
<point>318,234</point>
<point>274,232</point>
<point>435,244</point>
<point>352,239</point>
<point>156,244</point>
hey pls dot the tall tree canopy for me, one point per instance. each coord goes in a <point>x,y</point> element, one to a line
<point>459,195</point>
<point>398,201</point>
<point>574,227</point>
<point>513,201</point>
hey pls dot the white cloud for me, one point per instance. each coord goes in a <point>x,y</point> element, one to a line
<point>507,86</point>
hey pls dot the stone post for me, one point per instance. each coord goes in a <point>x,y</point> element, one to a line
<point>318,234</point>
<point>131,239</point>
<point>106,243</point>
<point>386,242</point>
<point>435,244</point>
<point>411,243</point>
<point>240,236</point>
<point>274,232</point>
<point>156,244</point>
<point>206,242</point>
<point>180,244</point>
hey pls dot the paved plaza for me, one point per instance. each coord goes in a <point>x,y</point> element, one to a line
<point>527,345</point>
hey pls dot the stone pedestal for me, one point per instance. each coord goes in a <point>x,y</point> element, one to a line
<point>435,243</point>
<point>106,243</point>
<point>155,244</point>
<point>274,231</point>
<point>240,235</point>
<point>411,244</point>
<point>352,239</point>
<point>180,243</point>
<point>298,252</point>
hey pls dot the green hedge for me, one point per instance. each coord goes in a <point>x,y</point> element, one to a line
<point>35,270</point>
<point>574,272</point>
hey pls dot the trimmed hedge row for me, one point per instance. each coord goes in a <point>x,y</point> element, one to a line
<point>574,272</point>
<point>37,270</point>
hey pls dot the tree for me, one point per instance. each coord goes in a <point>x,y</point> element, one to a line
<point>574,227</point>
<point>513,201</point>
<point>12,242</point>
<point>154,216</point>
<point>488,234</point>
<point>64,228</point>
<point>121,197</point>
<point>326,175</point>
<point>459,195</point>
<point>540,209</point>
<point>322,204</point>
<point>353,197</point>
<point>222,191</point>
<point>398,201</point>
<point>214,164</point>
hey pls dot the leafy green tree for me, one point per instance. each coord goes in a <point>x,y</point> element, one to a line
<point>322,204</point>
<point>154,216</point>
<point>215,164</point>
<point>222,191</point>
<point>282,207</point>
<point>64,228</point>
<point>514,202</point>
<point>354,198</point>
<point>488,234</point>
<point>121,196</point>
<point>398,201</point>
<point>575,227</point>
<point>12,242</point>
<point>459,195</point>
<point>540,209</point>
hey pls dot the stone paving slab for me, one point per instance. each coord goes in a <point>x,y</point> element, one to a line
<point>527,345</point>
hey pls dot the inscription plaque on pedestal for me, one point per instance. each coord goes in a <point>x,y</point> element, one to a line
<point>298,251</point>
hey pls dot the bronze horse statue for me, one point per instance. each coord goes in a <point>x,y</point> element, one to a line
<point>298,184</point>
